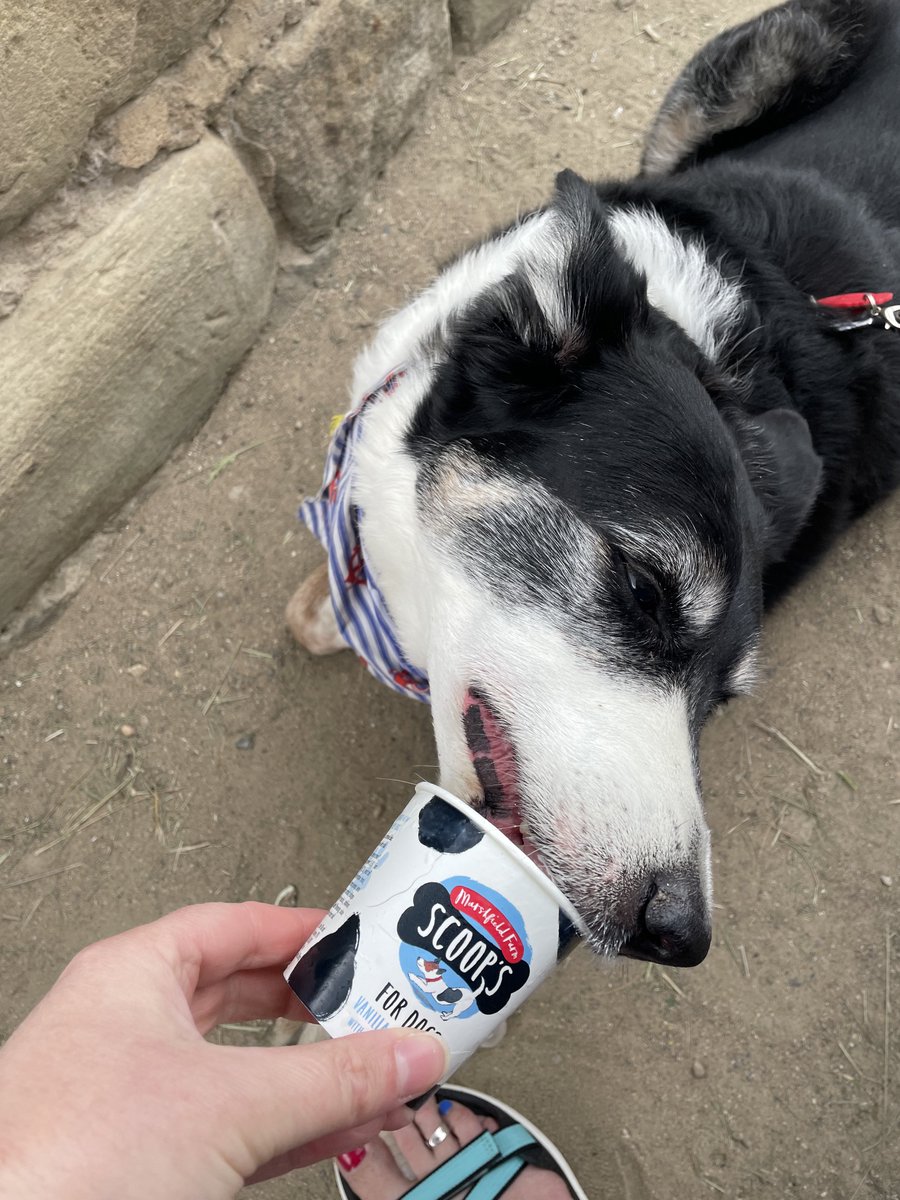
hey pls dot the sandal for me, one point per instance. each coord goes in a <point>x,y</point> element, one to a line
<point>489,1164</point>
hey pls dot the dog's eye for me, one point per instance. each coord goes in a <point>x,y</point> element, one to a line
<point>644,591</point>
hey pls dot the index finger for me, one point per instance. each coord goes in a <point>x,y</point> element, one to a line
<point>208,942</point>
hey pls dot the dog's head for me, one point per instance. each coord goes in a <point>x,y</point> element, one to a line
<point>591,526</point>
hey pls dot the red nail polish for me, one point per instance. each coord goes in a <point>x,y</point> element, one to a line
<point>351,1160</point>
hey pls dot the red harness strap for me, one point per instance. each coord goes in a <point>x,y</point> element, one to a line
<point>855,299</point>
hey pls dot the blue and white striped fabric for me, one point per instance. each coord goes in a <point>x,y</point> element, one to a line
<point>362,614</point>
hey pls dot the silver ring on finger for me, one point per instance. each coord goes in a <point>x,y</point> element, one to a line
<point>440,1135</point>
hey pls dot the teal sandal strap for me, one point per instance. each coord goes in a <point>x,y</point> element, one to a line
<point>495,1183</point>
<point>456,1171</point>
<point>513,1138</point>
<point>470,1164</point>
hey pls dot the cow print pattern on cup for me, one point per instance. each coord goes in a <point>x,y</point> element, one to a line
<point>323,977</point>
<point>445,829</point>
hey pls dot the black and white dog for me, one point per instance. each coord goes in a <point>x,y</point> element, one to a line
<point>579,464</point>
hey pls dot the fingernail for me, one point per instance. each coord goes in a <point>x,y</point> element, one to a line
<point>421,1061</point>
<point>444,1107</point>
<point>351,1160</point>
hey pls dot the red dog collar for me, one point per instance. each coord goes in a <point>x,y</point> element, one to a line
<point>856,299</point>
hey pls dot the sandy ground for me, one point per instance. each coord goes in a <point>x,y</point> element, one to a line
<point>770,1071</point>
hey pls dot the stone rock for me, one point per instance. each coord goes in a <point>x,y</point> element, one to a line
<point>52,596</point>
<point>147,125</point>
<point>474,22</point>
<point>116,354</point>
<point>9,298</point>
<point>335,96</point>
<point>163,30</point>
<point>177,106</point>
<point>67,63</point>
<point>299,269</point>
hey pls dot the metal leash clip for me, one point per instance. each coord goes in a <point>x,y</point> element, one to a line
<point>861,309</point>
<point>889,313</point>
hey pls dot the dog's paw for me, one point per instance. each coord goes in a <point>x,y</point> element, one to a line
<point>310,617</point>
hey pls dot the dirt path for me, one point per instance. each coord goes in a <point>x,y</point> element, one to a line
<point>767,1072</point>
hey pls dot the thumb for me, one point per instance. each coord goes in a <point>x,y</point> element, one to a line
<point>287,1096</point>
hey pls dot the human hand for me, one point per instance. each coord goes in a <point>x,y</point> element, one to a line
<point>108,1088</point>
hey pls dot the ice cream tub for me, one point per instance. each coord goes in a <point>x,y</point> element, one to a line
<point>448,927</point>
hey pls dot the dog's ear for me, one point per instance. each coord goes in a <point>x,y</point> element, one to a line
<point>604,297</point>
<point>515,356</point>
<point>785,472</point>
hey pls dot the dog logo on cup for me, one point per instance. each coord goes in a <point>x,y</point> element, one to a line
<point>476,954</point>
<point>430,980</point>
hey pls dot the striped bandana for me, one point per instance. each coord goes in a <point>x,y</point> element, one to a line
<point>362,614</point>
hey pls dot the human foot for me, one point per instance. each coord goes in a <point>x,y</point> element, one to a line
<point>373,1172</point>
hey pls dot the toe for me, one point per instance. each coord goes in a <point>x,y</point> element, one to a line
<point>465,1125</point>
<point>413,1141</point>
<point>372,1172</point>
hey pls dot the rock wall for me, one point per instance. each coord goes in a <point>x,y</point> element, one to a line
<point>67,64</point>
<point>334,98</point>
<point>158,160</point>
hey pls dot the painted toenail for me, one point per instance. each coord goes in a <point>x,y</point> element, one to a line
<point>444,1107</point>
<point>351,1160</point>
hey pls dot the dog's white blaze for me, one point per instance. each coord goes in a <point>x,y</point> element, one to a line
<point>681,281</point>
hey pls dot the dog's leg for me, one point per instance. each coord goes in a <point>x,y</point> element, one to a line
<point>310,617</point>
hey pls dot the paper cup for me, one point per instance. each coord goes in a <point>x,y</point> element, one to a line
<point>448,927</point>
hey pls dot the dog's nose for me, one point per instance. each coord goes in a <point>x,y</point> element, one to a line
<point>673,927</point>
